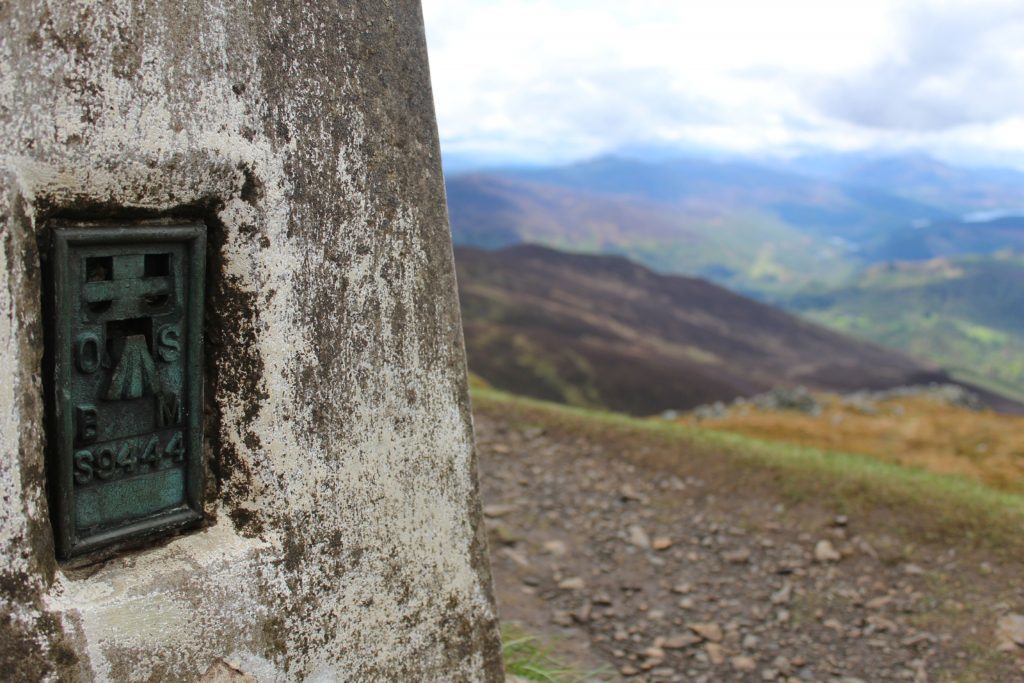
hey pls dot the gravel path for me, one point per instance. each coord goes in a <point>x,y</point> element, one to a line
<point>657,577</point>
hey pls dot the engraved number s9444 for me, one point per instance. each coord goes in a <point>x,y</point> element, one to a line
<point>112,461</point>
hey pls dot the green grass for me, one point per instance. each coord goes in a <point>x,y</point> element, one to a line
<point>960,313</point>
<point>981,334</point>
<point>994,356</point>
<point>917,505</point>
<point>528,658</point>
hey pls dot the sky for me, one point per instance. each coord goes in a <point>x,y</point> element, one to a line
<point>545,81</point>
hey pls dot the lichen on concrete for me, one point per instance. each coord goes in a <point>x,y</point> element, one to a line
<point>343,538</point>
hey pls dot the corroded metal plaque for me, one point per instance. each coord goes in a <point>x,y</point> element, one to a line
<point>127,461</point>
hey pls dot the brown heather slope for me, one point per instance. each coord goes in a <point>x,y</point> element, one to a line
<point>603,331</point>
<point>914,430</point>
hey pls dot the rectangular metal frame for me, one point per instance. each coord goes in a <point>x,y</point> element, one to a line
<point>68,542</point>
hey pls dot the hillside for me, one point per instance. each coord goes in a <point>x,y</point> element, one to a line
<point>964,314</point>
<point>603,331</point>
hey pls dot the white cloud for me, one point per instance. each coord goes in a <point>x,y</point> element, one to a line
<point>958,66</point>
<point>568,78</point>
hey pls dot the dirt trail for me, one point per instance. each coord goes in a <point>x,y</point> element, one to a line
<point>661,577</point>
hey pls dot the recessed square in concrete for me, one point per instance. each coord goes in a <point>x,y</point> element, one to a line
<point>127,411</point>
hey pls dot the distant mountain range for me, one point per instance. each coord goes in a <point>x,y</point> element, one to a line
<point>922,178</point>
<point>603,331</point>
<point>746,225</point>
<point>820,235</point>
<point>735,246</point>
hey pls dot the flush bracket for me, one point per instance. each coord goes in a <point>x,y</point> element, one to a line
<point>126,462</point>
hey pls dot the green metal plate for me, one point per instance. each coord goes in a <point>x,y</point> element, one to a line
<point>128,383</point>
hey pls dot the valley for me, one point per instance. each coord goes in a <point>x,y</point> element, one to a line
<point>962,313</point>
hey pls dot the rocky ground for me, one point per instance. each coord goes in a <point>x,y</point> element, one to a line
<point>648,573</point>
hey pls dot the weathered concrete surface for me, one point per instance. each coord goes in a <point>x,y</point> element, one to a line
<point>343,538</point>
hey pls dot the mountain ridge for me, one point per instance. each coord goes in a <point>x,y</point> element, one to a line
<point>602,330</point>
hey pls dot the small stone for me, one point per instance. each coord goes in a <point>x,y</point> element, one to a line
<point>662,543</point>
<point>913,570</point>
<point>495,511</point>
<point>881,623</point>
<point>879,602</point>
<point>555,548</point>
<point>1010,632</point>
<point>654,653</point>
<point>628,493</point>
<point>682,588</point>
<point>517,557</point>
<point>562,618</point>
<point>783,595</point>
<point>740,556</point>
<point>744,663</point>
<point>824,551</point>
<point>685,603</point>
<point>629,670</point>
<point>708,631</point>
<point>574,583</point>
<point>750,641</point>
<point>841,520</point>
<point>639,537</point>
<point>917,638</point>
<point>649,664</point>
<point>715,653</point>
<point>582,615</point>
<point>680,641</point>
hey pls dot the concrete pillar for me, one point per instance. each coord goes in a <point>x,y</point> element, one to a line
<point>341,537</point>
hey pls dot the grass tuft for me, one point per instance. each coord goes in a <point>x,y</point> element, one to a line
<point>528,659</point>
